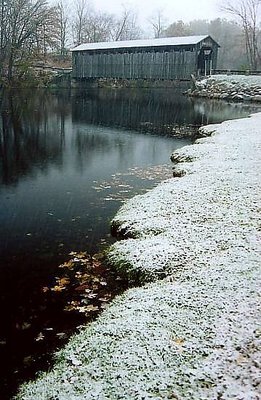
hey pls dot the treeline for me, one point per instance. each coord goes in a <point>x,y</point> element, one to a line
<point>31,30</point>
<point>239,38</point>
<point>228,34</point>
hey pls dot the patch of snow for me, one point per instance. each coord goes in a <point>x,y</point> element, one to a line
<point>241,79</point>
<point>169,41</point>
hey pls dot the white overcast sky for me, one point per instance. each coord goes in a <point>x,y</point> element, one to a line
<point>186,10</point>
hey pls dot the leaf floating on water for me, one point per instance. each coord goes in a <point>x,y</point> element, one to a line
<point>87,309</point>
<point>39,337</point>
<point>68,264</point>
<point>64,281</point>
<point>61,335</point>
<point>61,284</point>
<point>82,288</point>
<point>124,186</point>
<point>25,325</point>
<point>81,309</point>
<point>82,254</point>
<point>92,308</point>
<point>72,306</point>
<point>92,295</point>
<point>57,288</point>
<point>104,299</point>
<point>98,257</point>
<point>83,284</point>
<point>120,180</point>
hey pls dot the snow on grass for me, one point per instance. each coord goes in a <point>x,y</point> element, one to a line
<point>194,334</point>
<point>193,217</point>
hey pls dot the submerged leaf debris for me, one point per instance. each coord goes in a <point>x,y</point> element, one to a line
<point>195,334</point>
<point>85,282</point>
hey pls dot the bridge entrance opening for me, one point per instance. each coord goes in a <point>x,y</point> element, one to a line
<point>205,61</point>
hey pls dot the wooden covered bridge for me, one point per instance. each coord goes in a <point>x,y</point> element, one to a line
<point>172,58</point>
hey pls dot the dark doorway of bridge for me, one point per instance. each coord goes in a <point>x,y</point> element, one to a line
<point>205,61</point>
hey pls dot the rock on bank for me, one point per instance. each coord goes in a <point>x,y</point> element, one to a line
<point>238,88</point>
<point>194,334</point>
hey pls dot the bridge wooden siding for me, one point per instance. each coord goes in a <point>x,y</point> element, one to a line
<point>168,59</point>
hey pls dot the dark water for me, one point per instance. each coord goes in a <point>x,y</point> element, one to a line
<point>67,161</point>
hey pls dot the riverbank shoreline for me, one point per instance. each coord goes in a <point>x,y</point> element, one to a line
<point>192,332</point>
<point>235,88</point>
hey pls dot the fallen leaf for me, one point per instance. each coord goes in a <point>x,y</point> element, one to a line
<point>179,341</point>
<point>39,337</point>
<point>92,295</point>
<point>103,299</point>
<point>241,360</point>
<point>61,335</point>
<point>92,308</point>
<point>57,288</point>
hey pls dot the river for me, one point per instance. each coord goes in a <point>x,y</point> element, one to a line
<point>68,159</point>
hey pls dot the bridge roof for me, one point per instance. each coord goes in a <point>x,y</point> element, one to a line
<point>169,41</point>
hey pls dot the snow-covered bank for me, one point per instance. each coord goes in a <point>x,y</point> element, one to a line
<point>229,87</point>
<point>193,335</point>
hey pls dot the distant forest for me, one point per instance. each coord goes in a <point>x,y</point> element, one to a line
<point>36,30</point>
<point>228,34</point>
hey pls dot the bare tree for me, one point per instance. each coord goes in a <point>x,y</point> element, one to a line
<point>126,26</point>
<point>98,27</point>
<point>178,28</point>
<point>62,25</point>
<point>21,22</point>
<point>90,25</point>
<point>47,34</point>
<point>247,11</point>
<point>4,32</point>
<point>158,23</point>
<point>80,18</point>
